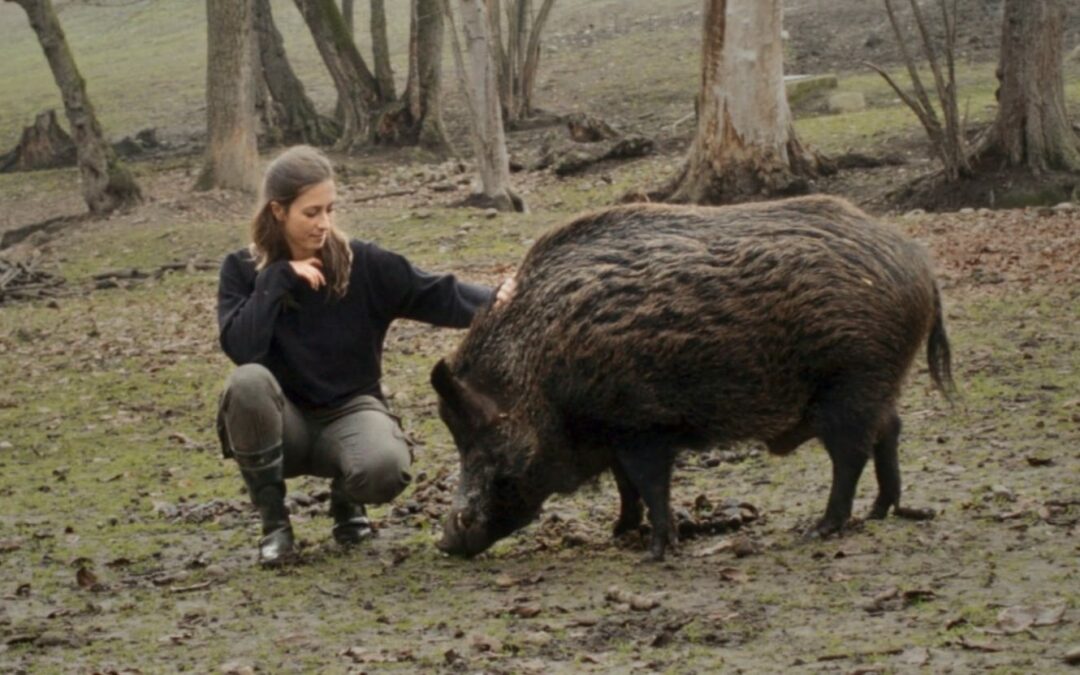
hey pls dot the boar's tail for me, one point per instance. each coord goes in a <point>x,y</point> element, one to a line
<point>938,354</point>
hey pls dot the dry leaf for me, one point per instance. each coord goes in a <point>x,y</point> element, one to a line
<point>526,611</point>
<point>637,602</point>
<point>976,646</point>
<point>485,643</point>
<point>85,578</point>
<point>1020,618</point>
<point>734,575</point>
<point>915,656</point>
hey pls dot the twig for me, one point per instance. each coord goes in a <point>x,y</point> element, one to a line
<point>393,193</point>
<point>192,588</point>
<point>332,594</point>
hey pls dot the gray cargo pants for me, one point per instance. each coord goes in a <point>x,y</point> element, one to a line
<point>360,443</point>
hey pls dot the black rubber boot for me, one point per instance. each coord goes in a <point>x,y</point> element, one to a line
<point>263,472</point>
<point>351,524</point>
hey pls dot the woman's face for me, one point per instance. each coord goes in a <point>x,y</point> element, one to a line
<point>308,220</point>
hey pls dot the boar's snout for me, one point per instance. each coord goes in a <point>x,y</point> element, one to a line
<point>463,536</point>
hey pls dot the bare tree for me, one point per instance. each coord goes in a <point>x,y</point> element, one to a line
<point>293,112</point>
<point>482,95</point>
<point>356,86</point>
<point>1032,127</point>
<point>380,49</point>
<point>417,118</point>
<point>232,155</point>
<point>518,55</point>
<point>948,141</point>
<point>106,182</point>
<point>745,145</point>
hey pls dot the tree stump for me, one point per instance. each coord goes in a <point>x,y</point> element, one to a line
<point>44,145</point>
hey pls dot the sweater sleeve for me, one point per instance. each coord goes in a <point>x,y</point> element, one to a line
<point>248,306</point>
<point>407,292</point>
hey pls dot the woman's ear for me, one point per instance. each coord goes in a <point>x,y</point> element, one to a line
<point>279,211</point>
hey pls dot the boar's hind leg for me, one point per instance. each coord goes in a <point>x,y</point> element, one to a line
<point>848,435</point>
<point>647,466</point>
<point>887,469</point>
<point>630,512</point>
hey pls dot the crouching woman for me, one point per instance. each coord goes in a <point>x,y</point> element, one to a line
<point>303,312</point>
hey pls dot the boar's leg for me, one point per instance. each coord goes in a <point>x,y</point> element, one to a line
<point>630,512</point>
<point>848,432</point>
<point>887,469</point>
<point>648,467</point>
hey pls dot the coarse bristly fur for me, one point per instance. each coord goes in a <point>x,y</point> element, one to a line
<point>774,321</point>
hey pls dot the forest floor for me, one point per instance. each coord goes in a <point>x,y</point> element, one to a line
<point>127,544</point>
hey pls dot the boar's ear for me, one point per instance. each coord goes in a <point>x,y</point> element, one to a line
<point>469,405</point>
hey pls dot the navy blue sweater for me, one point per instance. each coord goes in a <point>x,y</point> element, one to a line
<point>324,351</point>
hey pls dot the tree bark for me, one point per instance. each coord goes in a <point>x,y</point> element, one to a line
<point>517,58</point>
<point>348,14</point>
<point>232,155</point>
<point>356,86</point>
<point>380,48</point>
<point>745,145</point>
<point>482,94</point>
<point>294,113</point>
<point>106,182</point>
<point>1032,127</point>
<point>532,61</point>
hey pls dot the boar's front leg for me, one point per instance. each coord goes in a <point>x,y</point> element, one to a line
<point>630,512</point>
<point>647,467</point>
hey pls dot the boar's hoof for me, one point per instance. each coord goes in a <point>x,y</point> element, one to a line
<point>627,525</point>
<point>913,513</point>
<point>824,529</point>
<point>879,510</point>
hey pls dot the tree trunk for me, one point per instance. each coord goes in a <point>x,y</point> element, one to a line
<point>745,145</point>
<point>532,61</point>
<point>380,48</point>
<point>348,14</point>
<point>232,156</point>
<point>482,94</point>
<point>106,182</point>
<point>1032,127</point>
<point>517,58</point>
<point>294,113</point>
<point>356,86</point>
<point>417,119</point>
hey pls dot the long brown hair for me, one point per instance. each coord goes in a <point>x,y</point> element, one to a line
<point>288,176</point>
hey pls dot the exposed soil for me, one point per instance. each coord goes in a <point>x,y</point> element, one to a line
<point>126,543</point>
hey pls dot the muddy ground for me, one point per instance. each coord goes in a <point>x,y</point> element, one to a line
<point>127,545</point>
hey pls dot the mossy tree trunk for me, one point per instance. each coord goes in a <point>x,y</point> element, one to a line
<point>417,118</point>
<point>232,154</point>
<point>380,49</point>
<point>1032,127</point>
<point>745,146</point>
<point>294,114</point>
<point>107,184</point>
<point>356,86</point>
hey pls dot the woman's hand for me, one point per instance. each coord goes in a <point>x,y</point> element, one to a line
<point>310,270</point>
<point>505,292</point>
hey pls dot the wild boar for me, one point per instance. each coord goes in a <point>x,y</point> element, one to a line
<point>638,331</point>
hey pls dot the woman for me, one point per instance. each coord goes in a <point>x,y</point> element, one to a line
<point>303,312</point>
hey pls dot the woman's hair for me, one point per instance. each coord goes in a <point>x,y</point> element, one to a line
<point>288,176</point>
